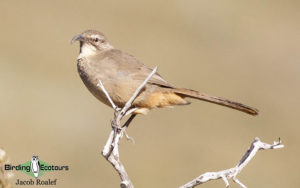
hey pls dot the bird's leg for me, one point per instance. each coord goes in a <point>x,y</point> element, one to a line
<point>126,124</point>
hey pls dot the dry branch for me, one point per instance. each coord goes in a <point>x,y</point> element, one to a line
<point>233,172</point>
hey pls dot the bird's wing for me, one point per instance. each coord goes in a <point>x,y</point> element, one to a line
<point>130,66</point>
<point>156,79</point>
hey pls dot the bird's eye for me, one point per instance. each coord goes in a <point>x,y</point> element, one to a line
<point>96,39</point>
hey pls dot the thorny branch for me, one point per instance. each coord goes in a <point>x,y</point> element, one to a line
<point>111,150</point>
<point>233,172</point>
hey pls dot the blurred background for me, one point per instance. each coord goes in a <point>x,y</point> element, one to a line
<point>247,51</point>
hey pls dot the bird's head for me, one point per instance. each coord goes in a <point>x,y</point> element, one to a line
<point>34,158</point>
<point>91,42</point>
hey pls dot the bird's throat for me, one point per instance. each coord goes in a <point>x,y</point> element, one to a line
<point>86,50</point>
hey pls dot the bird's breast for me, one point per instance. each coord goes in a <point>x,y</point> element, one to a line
<point>90,77</point>
<point>82,69</point>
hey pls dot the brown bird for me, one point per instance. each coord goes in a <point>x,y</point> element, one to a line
<point>121,74</point>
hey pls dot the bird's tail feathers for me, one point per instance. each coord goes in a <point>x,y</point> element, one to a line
<point>217,100</point>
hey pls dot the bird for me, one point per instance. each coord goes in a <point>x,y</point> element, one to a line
<point>121,74</point>
<point>35,166</point>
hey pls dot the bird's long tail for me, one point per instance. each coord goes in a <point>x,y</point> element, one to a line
<point>217,100</point>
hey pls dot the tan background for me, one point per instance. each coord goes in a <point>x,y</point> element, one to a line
<point>242,50</point>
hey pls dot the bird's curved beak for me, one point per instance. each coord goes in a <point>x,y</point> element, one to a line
<point>79,38</point>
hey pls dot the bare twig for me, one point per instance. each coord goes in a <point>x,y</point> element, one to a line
<point>233,172</point>
<point>111,150</point>
<point>100,84</point>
